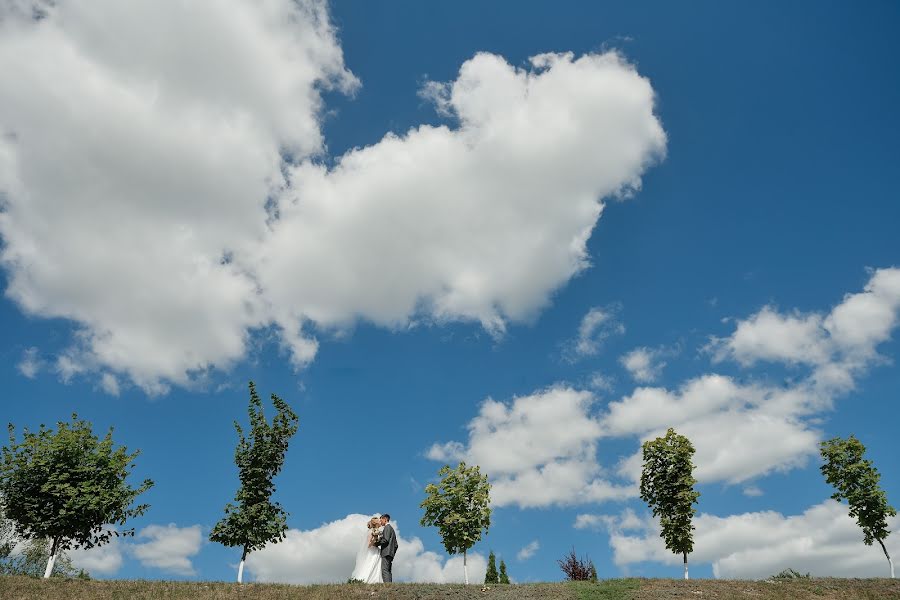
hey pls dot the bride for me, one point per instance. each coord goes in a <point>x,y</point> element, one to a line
<point>368,559</point>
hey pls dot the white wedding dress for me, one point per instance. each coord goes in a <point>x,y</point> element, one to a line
<point>368,563</point>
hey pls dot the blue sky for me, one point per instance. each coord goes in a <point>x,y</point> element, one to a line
<point>399,287</point>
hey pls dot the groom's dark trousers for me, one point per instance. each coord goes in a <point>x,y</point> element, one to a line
<point>388,550</point>
<point>386,564</point>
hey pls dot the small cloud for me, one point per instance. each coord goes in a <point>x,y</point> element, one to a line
<point>31,363</point>
<point>110,384</point>
<point>627,520</point>
<point>586,521</point>
<point>528,551</point>
<point>438,93</point>
<point>450,451</point>
<point>69,365</point>
<point>644,364</point>
<point>596,326</point>
<point>600,382</point>
<point>752,491</point>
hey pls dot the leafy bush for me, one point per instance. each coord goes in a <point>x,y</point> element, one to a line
<point>577,569</point>
<point>790,574</point>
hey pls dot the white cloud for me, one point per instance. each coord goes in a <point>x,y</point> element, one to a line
<point>528,550</point>
<point>541,450</point>
<point>769,335</point>
<point>752,491</point>
<point>586,521</point>
<point>739,431</point>
<point>169,548</point>
<point>644,364</point>
<point>823,541</point>
<point>100,560</point>
<point>110,384</point>
<point>596,325</point>
<point>161,189</point>
<point>31,363</point>
<point>138,146</point>
<point>627,520</point>
<point>538,450</point>
<point>744,430</point>
<point>601,382</point>
<point>327,554</point>
<point>838,345</point>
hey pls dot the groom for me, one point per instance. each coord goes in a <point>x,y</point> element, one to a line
<point>388,545</point>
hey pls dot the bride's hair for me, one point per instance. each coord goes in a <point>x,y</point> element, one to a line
<point>374,523</point>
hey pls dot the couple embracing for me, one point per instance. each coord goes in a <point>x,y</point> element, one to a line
<point>375,559</point>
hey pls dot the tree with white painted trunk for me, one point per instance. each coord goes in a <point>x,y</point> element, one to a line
<point>856,480</point>
<point>667,486</point>
<point>254,520</point>
<point>69,487</point>
<point>459,506</point>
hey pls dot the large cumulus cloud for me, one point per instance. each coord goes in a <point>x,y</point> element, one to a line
<point>162,184</point>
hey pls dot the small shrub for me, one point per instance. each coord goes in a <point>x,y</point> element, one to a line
<point>576,569</point>
<point>790,574</point>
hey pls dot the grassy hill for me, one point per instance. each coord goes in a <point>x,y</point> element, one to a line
<point>24,588</point>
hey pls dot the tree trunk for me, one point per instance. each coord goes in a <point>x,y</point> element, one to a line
<point>465,568</point>
<point>685,566</point>
<point>890,562</point>
<point>241,566</point>
<point>52,560</point>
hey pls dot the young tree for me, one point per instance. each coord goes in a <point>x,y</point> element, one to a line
<point>491,575</point>
<point>504,578</point>
<point>459,507</point>
<point>255,520</point>
<point>68,486</point>
<point>667,486</point>
<point>857,481</point>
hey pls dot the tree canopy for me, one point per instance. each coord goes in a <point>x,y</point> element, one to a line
<point>667,486</point>
<point>459,506</point>
<point>254,520</point>
<point>68,486</point>
<point>856,480</point>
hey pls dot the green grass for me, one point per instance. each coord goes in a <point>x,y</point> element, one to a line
<point>26,588</point>
<point>607,589</point>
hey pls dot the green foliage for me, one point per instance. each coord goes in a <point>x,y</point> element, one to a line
<point>504,578</point>
<point>32,559</point>
<point>67,485</point>
<point>458,506</point>
<point>255,520</point>
<point>790,574</point>
<point>667,486</point>
<point>593,574</point>
<point>856,480</point>
<point>491,575</point>
<point>352,581</point>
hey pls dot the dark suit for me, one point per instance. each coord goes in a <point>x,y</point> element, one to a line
<point>388,545</point>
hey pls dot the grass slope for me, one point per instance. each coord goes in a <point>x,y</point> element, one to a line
<point>24,588</point>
